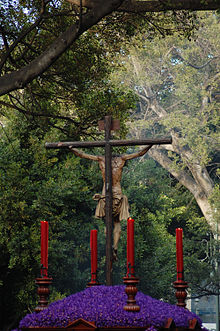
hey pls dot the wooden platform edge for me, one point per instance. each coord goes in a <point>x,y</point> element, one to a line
<point>122,328</point>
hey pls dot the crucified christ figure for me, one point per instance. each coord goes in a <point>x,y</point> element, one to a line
<point>120,208</point>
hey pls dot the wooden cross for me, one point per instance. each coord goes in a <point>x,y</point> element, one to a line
<point>108,124</point>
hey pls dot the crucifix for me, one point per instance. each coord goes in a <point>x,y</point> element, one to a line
<point>105,163</point>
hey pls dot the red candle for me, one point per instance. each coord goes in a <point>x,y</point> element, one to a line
<point>44,249</point>
<point>130,247</point>
<point>179,254</point>
<point>93,248</point>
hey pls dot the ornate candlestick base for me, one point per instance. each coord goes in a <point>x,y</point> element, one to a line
<point>181,294</point>
<point>43,292</point>
<point>131,291</point>
<point>93,283</point>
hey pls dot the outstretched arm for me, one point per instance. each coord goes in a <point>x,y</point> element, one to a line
<point>137,154</point>
<point>83,155</point>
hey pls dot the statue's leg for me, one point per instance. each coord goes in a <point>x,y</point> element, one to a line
<point>116,236</point>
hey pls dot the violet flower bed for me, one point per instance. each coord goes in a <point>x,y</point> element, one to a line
<point>104,306</point>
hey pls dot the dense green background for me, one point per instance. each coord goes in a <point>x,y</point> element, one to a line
<point>56,186</point>
<point>53,185</point>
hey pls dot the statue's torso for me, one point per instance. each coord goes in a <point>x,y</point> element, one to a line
<point>117,167</point>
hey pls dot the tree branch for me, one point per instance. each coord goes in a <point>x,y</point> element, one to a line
<point>99,9</point>
<point>84,3</point>
<point>133,6</point>
<point>34,114</point>
<point>130,6</point>
<point>19,39</point>
<point>191,183</point>
<point>193,65</point>
<point>199,173</point>
<point>167,164</point>
<point>19,79</point>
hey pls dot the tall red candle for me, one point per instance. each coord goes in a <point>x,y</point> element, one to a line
<point>130,247</point>
<point>179,254</point>
<point>44,249</point>
<point>93,248</point>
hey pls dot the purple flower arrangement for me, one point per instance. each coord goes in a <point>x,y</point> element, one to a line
<point>104,306</point>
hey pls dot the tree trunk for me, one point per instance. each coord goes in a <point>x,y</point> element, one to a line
<point>200,193</point>
<point>194,176</point>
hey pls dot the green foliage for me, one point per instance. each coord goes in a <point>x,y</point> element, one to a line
<point>39,185</point>
<point>159,206</point>
<point>215,201</point>
<point>74,94</point>
<point>182,76</point>
<point>75,89</point>
<point>36,184</point>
